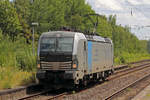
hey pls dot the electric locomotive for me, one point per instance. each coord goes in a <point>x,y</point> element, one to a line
<point>67,59</point>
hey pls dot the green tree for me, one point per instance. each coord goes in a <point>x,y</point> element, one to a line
<point>23,11</point>
<point>48,13</point>
<point>148,46</point>
<point>75,11</point>
<point>112,20</point>
<point>9,22</point>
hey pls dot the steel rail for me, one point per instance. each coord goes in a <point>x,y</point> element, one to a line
<point>122,89</point>
<point>57,96</point>
<point>34,95</point>
<point>126,66</point>
<point>119,76</point>
<point>128,71</point>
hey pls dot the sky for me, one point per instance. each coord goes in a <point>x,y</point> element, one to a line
<point>133,13</point>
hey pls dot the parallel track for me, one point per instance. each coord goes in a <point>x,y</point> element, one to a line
<point>126,87</point>
<point>117,76</point>
<point>128,71</point>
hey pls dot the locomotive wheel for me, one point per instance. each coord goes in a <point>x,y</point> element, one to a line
<point>39,81</point>
<point>85,82</point>
<point>76,87</point>
<point>103,78</point>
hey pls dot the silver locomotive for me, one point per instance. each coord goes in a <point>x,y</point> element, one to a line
<point>69,59</point>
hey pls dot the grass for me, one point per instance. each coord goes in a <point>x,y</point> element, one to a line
<point>12,77</point>
<point>17,63</point>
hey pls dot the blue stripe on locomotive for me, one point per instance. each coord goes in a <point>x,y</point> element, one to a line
<point>90,55</point>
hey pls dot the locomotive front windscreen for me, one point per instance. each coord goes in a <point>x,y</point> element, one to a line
<point>59,44</point>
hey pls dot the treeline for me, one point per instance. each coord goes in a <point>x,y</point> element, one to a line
<point>16,20</point>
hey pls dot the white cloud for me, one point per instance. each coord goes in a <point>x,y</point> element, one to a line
<point>139,2</point>
<point>106,4</point>
<point>112,4</point>
<point>134,2</point>
<point>135,19</point>
<point>122,8</point>
<point>146,1</point>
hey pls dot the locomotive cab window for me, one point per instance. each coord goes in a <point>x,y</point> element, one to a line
<point>59,44</point>
<point>65,44</point>
<point>47,44</point>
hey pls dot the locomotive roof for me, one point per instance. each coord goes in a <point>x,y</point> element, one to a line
<point>98,38</point>
<point>63,33</point>
<point>72,34</point>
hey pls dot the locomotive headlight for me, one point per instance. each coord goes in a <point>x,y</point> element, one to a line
<point>38,66</point>
<point>75,64</point>
<point>38,62</point>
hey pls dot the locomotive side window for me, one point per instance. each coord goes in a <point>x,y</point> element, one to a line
<point>84,46</point>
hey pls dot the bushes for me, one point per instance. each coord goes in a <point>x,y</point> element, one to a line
<point>126,57</point>
<point>16,54</point>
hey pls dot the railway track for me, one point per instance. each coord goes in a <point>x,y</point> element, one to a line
<point>34,95</point>
<point>109,88</point>
<point>45,95</point>
<point>128,71</point>
<point>120,92</point>
<point>60,96</point>
<point>130,66</point>
<point>100,89</point>
<point>14,94</point>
